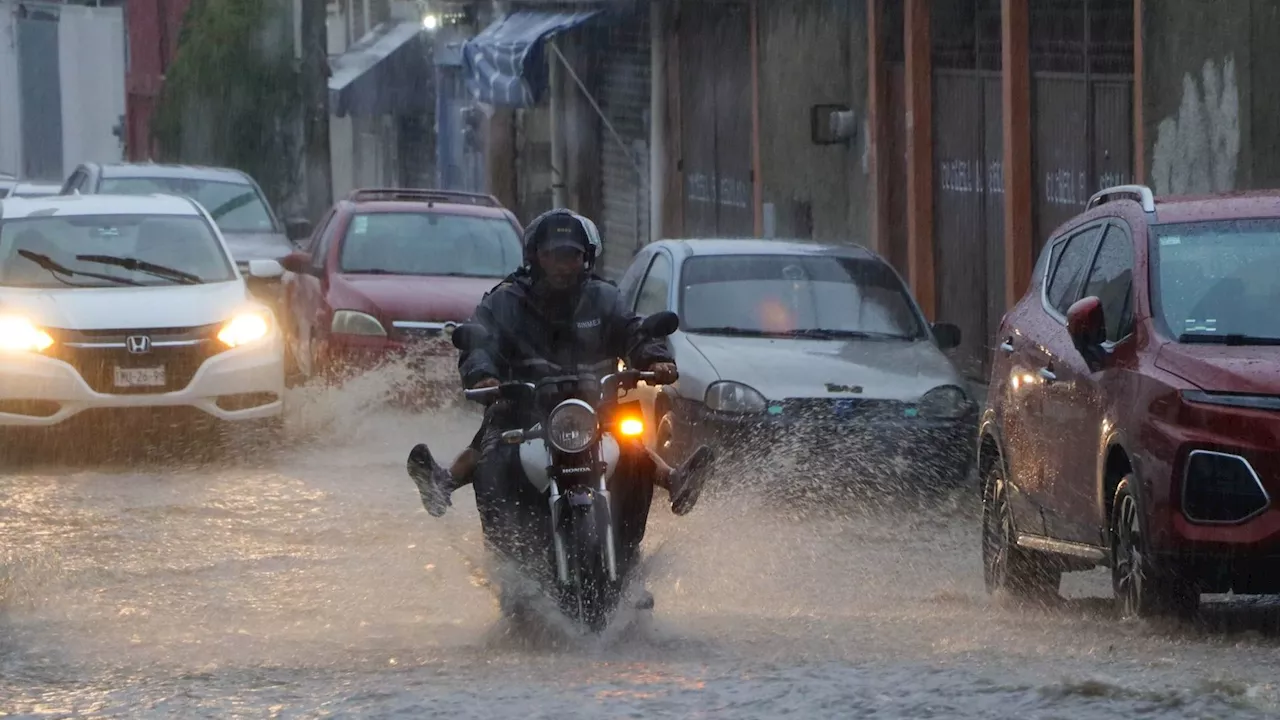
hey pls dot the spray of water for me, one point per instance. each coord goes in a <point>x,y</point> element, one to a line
<point>316,555</point>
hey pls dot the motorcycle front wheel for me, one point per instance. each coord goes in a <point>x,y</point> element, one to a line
<point>591,596</point>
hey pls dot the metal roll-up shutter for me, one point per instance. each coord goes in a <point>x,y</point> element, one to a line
<point>624,97</point>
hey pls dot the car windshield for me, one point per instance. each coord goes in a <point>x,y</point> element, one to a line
<point>409,243</point>
<point>109,250</point>
<point>235,206</point>
<point>1216,281</point>
<point>801,295</point>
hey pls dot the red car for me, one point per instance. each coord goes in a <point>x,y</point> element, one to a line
<point>1133,418</point>
<point>388,270</point>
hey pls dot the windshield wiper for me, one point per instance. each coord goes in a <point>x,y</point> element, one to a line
<point>821,334</point>
<point>48,263</point>
<point>726,330</point>
<point>145,267</point>
<point>810,333</point>
<point>234,203</point>
<point>1226,339</point>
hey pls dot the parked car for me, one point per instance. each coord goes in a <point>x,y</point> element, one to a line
<point>234,200</point>
<point>388,270</point>
<point>803,344</point>
<point>1135,405</point>
<point>112,303</point>
<point>29,189</point>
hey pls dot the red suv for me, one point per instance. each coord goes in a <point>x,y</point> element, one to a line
<point>1133,418</point>
<point>388,270</point>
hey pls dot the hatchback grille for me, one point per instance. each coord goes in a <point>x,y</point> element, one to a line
<point>1221,488</point>
<point>841,409</point>
<point>97,354</point>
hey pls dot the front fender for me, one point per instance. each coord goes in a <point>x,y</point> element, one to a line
<point>989,427</point>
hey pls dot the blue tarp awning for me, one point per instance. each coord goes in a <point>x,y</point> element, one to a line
<point>386,73</point>
<point>506,64</point>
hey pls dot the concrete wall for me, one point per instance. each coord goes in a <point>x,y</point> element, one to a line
<point>93,93</point>
<point>10,111</point>
<point>813,52</point>
<point>1264,97</point>
<point>1198,114</point>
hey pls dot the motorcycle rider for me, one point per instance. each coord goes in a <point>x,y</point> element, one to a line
<point>554,317</point>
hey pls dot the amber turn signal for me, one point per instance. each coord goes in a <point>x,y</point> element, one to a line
<point>631,427</point>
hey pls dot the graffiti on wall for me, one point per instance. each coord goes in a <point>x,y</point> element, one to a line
<point>1198,150</point>
<point>724,191</point>
<point>971,176</point>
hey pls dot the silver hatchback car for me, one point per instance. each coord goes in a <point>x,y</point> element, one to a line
<point>815,350</point>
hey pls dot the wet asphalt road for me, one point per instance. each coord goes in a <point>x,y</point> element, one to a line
<point>309,582</point>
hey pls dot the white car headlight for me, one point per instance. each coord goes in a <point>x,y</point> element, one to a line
<point>18,334</point>
<point>245,328</point>
<point>732,397</point>
<point>948,402</point>
<point>351,322</point>
<point>572,426</point>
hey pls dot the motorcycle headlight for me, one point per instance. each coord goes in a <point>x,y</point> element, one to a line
<point>17,334</point>
<point>572,426</point>
<point>244,328</point>
<point>350,322</point>
<point>732,397</point>
<point>947,402</point>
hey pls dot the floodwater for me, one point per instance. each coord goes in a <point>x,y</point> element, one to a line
<point>309,582</point>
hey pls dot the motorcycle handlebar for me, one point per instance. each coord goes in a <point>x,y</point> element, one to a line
<point>479,394</point>
<point>482,394</point>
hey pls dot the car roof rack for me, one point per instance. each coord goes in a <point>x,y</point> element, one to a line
<point>1141,193</point>
<point>423,195</point>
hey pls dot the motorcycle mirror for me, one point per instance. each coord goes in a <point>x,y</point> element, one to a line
<point>469,336</point>
<point>660,324</point>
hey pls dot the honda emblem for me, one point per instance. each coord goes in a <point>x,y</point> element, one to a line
<point>138,344</point>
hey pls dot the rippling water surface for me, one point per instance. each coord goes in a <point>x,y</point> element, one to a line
<point>309,582</point>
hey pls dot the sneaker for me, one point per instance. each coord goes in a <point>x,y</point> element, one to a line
<point>688,479</point>
<point>435,485</point>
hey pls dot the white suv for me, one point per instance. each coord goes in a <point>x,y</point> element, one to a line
<point>111,302</point>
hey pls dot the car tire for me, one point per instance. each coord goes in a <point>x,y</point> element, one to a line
<point>1143,587</point>
<point>1020,573</point>
<point>664,440</point>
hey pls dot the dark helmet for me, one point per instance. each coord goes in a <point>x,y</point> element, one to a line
<point>563,227</point>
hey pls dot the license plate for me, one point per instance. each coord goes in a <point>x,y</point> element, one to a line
<point>139,377</point>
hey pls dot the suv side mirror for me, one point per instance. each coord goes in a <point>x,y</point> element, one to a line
<point>947,334</point>
<point>265,269</point>
<point>1086,324</point>
<point>296,262</point>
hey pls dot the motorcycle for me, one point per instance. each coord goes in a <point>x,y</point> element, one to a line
<point>563,524</point>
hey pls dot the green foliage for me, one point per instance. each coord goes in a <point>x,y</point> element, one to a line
<point>232,96</point>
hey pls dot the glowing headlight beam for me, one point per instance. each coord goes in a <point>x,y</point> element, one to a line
<point>243,329</point>
<point>17,334</point>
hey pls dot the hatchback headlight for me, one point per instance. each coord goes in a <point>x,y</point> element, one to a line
<point>351,322</point>
<point>18,334</point>
<point>572,426</point>
<point>947,402</point>
<point>733,397</point>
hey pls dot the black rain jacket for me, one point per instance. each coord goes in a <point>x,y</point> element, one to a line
<point>533,336</point>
